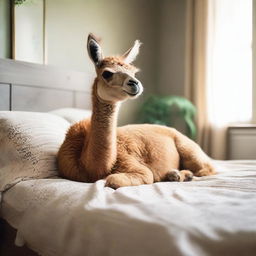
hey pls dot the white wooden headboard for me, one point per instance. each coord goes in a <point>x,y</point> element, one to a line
<point>34,87</point>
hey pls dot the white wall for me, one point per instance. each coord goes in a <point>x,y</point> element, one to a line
<point>159,25</point>
<point>171,58</point>
<point>119,23</point>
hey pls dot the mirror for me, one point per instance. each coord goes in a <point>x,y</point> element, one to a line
<point>29,30</point>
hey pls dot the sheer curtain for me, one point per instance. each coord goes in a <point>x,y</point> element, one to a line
<point>222,69</point>
<point>229,68</point>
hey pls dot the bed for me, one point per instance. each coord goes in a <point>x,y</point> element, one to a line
<point>43,214</point>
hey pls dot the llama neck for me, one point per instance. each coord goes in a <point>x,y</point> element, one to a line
<point>101,145</point>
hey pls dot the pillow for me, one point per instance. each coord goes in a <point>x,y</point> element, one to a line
<point>72,115</point>
<point>29,142</point>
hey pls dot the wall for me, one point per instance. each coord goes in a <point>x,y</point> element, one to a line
<point>172,47</point>
<point>254,62</point>
<point>119,23</point>
<point>5,29</point>
<point>159,25</point>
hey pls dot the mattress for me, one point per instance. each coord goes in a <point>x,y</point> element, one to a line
<point>213,215</point>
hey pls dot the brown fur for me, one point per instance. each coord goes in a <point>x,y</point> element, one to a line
<point>130,155</point>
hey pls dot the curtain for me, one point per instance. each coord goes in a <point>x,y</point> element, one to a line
<point>197,24</point>
<point>221,72</point>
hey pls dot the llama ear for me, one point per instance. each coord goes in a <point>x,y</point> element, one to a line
<point>94,49</point>
<point>132,53</point>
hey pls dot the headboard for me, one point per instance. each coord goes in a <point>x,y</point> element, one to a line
<point>34,87</point>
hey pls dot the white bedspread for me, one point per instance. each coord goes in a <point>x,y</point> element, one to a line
<point>211,216</point>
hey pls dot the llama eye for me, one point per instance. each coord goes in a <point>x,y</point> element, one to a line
<point>107,74</point>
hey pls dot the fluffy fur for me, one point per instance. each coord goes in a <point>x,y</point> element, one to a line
<point>130,155</point>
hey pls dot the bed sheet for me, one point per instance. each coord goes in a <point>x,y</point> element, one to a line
<point>210,216</point>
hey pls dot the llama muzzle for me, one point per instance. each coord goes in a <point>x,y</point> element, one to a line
<point>132,86</point>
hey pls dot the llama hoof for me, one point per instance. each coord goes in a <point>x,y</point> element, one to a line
<point>173,175</point>
<point>186,175</point>
<point>116,181</point>
<point>112,185</point>
<point>204,172</point>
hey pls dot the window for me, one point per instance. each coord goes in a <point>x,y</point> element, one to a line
<point>229,76</point>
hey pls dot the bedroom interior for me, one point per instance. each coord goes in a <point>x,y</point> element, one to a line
<point>190,50</point>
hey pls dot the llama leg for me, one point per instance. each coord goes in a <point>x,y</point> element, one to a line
<point>175,175</point>
<point>192,156</point>
<point>133,176</point>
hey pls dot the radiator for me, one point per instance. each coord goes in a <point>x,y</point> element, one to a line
<point>241,142</point>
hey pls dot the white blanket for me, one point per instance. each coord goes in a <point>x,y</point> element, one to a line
<point>211,216</point>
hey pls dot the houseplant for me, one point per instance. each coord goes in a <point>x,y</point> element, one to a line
<point>169,111</point>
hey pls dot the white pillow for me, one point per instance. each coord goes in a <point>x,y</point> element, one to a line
<point>29,142</point>
<point>72,115</point>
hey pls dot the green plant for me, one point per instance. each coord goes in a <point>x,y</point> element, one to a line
<point>19,2</point>
<point>166,110</point>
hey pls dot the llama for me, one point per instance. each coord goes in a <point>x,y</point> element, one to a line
<point>130,155</point>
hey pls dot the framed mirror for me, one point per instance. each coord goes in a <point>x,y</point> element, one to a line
<point>29,30</point>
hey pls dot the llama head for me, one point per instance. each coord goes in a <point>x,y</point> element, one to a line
<point>116,75</point>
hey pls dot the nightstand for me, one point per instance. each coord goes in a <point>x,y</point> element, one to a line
<point>241,142</point>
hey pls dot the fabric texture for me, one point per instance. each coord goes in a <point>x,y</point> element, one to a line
<point>72,115</point>
<point>29,143</point>
<point>213,215</point>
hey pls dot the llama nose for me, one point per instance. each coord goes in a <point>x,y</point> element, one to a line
<point>133,86</point>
